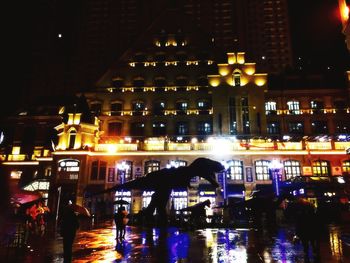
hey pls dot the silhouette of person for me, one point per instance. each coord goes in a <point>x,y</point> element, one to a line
<point>120,220</point>
<point>308,228</point>
<point>69,226</point>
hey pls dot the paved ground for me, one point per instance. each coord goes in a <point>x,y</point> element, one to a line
<point>175,245</point>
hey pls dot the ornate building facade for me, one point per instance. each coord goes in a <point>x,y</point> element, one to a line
<point>171,98</point>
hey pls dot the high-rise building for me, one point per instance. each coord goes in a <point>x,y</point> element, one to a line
<point>82,39</point>
<point>259,27</point>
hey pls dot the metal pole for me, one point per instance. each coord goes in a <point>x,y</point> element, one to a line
<point>59,189</point>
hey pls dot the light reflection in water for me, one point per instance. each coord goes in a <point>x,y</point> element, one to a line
<point>208,245</point>
<point>335,242</point>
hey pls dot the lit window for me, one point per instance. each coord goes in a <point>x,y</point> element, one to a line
<point>204,128</point>
<point>262,170</point>
<point>235,170</point>
<point>292,168</point>
<point>270,108</point>
<point>293,107</point>
<point>151,166</point>
<point>320,168</point>
<point>237,79</point>
<point>346,167</point>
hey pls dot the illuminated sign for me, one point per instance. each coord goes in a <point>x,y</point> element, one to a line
<point>68,169</point>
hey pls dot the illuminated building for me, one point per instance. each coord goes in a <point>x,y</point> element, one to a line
<point>344,10</point>
<point>171,98</point>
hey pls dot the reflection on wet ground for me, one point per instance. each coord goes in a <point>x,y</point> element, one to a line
<point>203,245</point>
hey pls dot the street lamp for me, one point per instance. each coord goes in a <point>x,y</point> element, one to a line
<point>276,174</point>
<point>123,167</point>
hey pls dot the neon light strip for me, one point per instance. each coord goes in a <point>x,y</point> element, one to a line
<point>210,153</point>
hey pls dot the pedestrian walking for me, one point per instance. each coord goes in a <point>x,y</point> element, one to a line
<point>69,225</point>
<point>120,220</point>
<point>308,228</point>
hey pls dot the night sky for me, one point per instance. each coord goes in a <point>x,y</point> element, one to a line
<point>315,27</point>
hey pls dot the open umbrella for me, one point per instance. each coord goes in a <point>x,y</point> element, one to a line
<point>81,210</point>
<point>120,202</point>
<point>21,197</point>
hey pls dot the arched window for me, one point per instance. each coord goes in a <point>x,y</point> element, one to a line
<point>237,79</point>
<point>320,168</point>
<point>72,137</point>
<point>124,171</point>
<point>151,166</point>
<point>292,168</point>
<point>262,170</point>
<point>235,170</point>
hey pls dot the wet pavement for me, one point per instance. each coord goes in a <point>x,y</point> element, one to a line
<point>176,245</point>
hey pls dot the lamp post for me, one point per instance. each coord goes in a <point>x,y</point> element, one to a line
<point>276,174</point>
<point>123,167</point>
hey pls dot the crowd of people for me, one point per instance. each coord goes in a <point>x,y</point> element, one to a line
<point>37,217</point>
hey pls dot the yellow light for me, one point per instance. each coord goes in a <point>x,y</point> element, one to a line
<point>240,58</point>
<point>231,58</point>
<point>344,11</point>
<point>249,68</point>
<point>111,148</point>
<point>214,81</point>
<point>223,69</point>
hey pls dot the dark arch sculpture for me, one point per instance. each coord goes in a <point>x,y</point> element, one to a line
<point>162,182</point>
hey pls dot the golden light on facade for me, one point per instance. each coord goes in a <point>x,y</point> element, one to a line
<point>224,69</point>
<point>214,81</point>
<point>240,58</point>
<point>231,58</point>
<point>249,68</point>
<point>260,79</point>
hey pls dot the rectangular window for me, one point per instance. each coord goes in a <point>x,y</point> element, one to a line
<point>204,128</point>
<point>295,128</point>
<point>271,108</point>
<point>233,117</point>
<point>245,115</point>
<point>273,128</point>
<point>319,127</point>
<point>262,170</point>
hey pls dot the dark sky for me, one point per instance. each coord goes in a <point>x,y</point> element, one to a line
<point>316,33</point>
<point>315,27</point>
